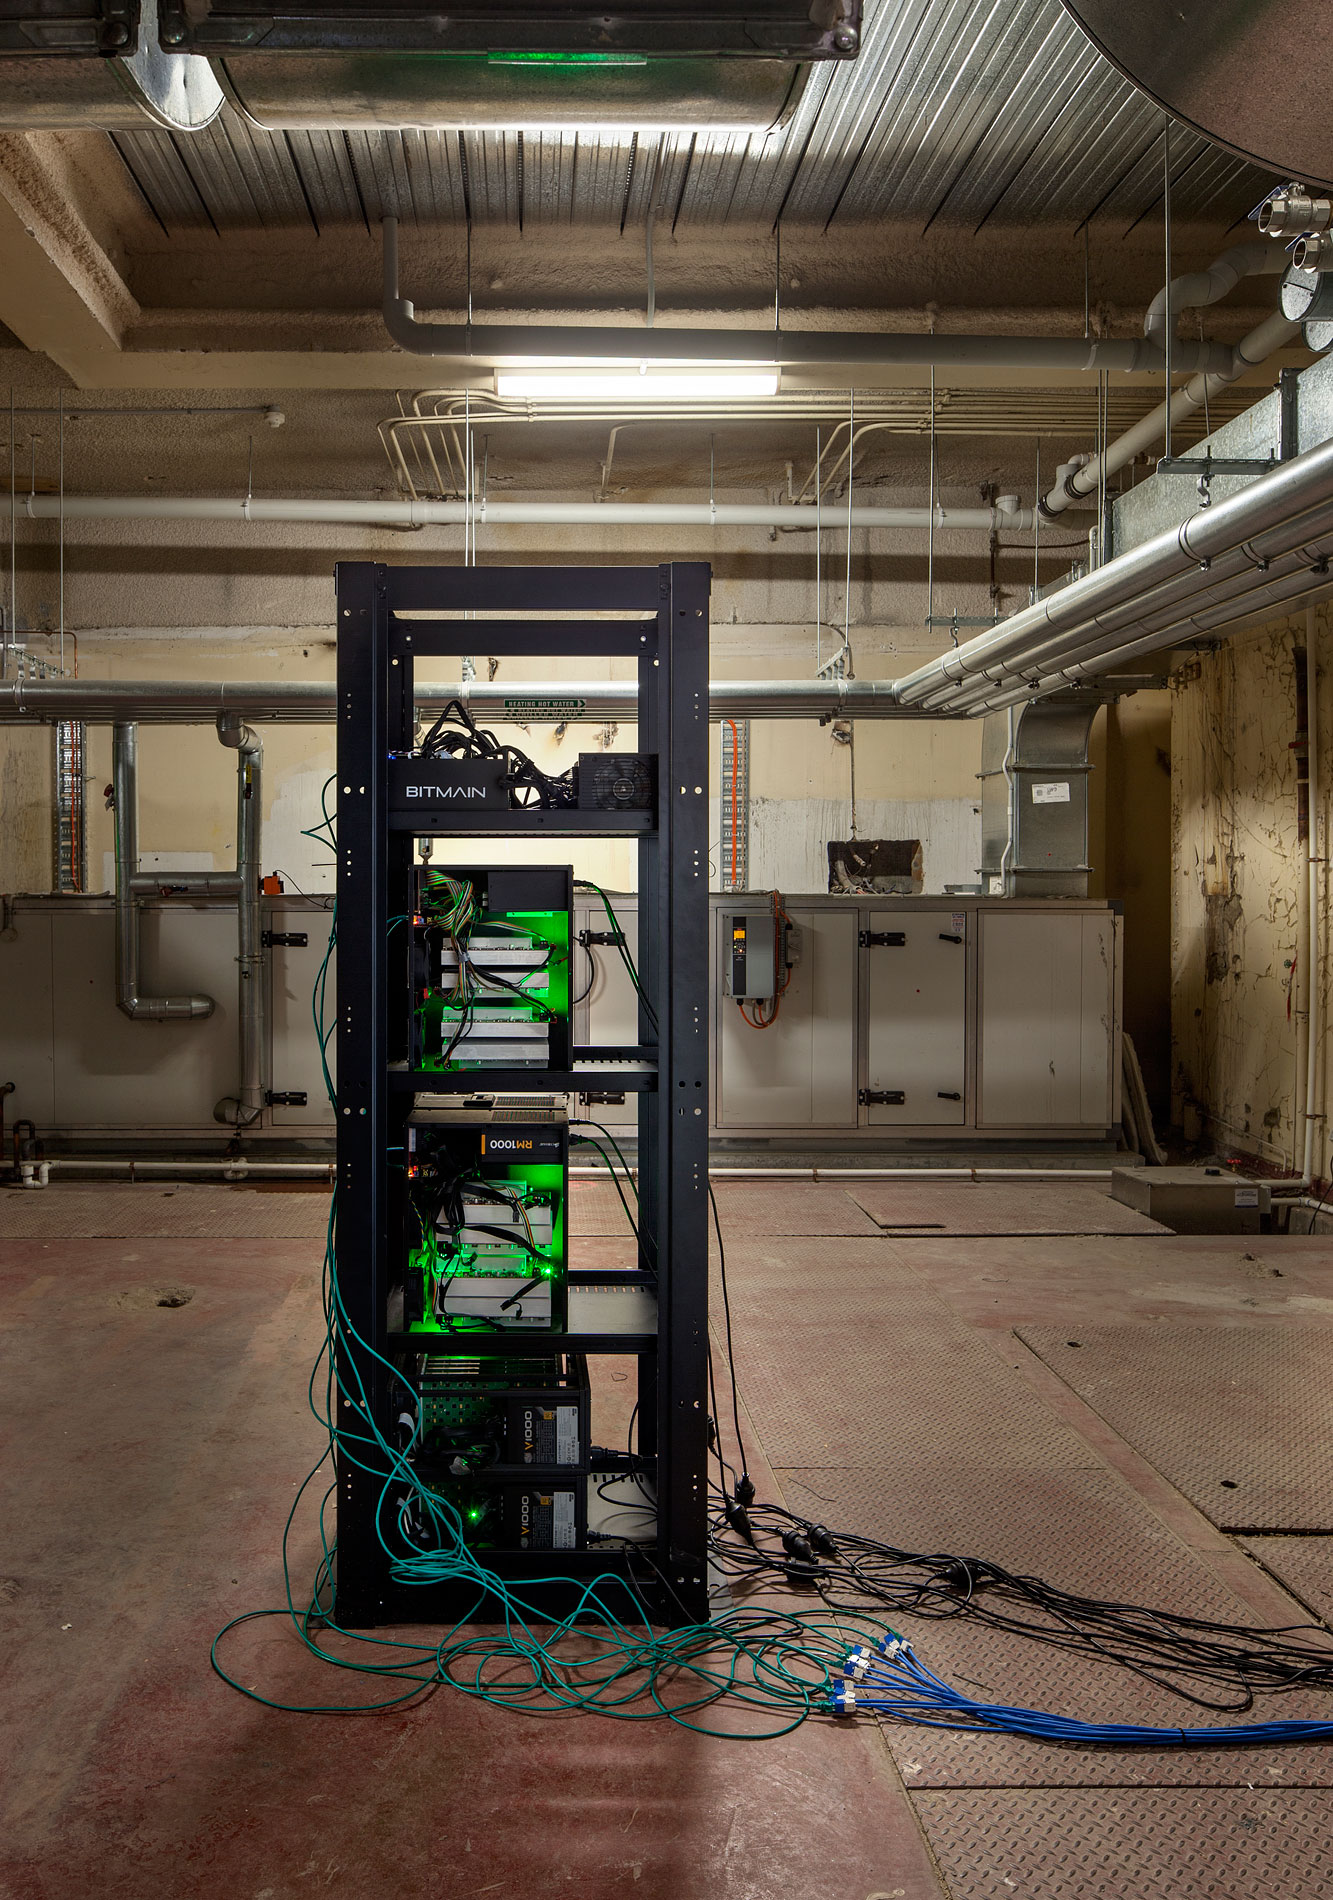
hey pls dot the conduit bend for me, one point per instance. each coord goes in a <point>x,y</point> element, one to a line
<point>1078,483</point>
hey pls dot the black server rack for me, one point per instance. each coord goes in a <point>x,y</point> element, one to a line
<point>402,1088</point>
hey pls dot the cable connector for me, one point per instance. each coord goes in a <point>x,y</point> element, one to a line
<point>857,1664</point>
<point>821,1540</point>
<point>744,1489</point>
<point>739,1520</point>
<point>843,1700</point>
<point>891,1642</point>
<point>798,1547</point>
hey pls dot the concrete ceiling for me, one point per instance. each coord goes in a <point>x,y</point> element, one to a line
<point>980,167</point>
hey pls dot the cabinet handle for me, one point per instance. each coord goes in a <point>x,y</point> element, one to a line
<point>946,938</point>
<point>948,1095</point>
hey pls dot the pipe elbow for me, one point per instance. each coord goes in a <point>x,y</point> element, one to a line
<point>164,1009</point>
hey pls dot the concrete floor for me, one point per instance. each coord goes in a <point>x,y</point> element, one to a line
<point>891,1385</point>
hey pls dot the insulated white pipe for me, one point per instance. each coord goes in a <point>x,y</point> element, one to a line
<point>481,513</point>
<point>1077,485</point>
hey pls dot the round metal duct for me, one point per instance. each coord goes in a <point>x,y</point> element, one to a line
<point>147,87</point>
<point>1254,75</point>
<point>390,90</point>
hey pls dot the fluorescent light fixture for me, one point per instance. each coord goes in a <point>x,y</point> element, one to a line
<point>648,382</point>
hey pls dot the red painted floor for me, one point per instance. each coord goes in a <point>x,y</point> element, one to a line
<point>150,1454</point>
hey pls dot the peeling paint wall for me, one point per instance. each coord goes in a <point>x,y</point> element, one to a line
<point>1237,865</point>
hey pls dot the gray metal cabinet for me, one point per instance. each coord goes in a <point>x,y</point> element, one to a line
<point>916,997</point>
<point>801,1072</point>
<point>295,1065</point>
<point>1048,1006</point>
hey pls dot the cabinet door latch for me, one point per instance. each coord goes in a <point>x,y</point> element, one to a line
<point>285,940</point>
<point>881,1098</point>
<point>286,1098</point>
<point>883,939</point>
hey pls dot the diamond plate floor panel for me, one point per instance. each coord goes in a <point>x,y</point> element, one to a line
<point>1181,1844</point>
<point>1083,1530</point>
<point>1239,1418</point>
<point>1303,1565</point>
<point>595,1208</point>
<point>788,1207</point>
<point>984,1207</point>
<point>116,1212</point>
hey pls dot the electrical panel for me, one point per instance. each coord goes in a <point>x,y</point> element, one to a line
<point>490,968</point>
<point>750,969</point>
<point>485,1220</point>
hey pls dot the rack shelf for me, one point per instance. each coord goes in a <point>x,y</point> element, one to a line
<point>658,1321</point>
<point>526,824</point>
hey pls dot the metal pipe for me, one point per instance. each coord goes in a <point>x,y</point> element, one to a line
<point>1081,483</point>
<point>1295,491</point>
<point>247,1105</point>
<point>1242,582</point>
<point>185,884</point>
<point>125,801</point>
<point>313,702</point>
<point>1270,595</point>
<point>233,1167</point>
<point>808,348</point>
<point>418,513</point>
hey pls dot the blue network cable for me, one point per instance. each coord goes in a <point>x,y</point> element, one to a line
<point>891,1680</point>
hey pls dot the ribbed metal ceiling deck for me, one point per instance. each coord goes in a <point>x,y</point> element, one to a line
<point>959,111</point>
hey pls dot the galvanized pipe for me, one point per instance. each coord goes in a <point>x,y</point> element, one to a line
<point>125,800</point>
<point>1284,501</point>
<point>247,1105</point>
<point>1241,585</point>
<point>313,702</point>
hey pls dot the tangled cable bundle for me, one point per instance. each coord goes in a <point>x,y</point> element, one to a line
<point>524,780</point>
<point>762,1670</point>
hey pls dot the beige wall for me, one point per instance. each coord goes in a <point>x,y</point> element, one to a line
<point>1234,896</point>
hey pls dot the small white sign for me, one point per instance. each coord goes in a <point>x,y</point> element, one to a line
<point>1055,794</point>
<point>1247,1197</point>
<point>959,923</point>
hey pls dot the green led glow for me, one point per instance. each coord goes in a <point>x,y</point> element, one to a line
<point>474,1515</point>
<point>565,59</point>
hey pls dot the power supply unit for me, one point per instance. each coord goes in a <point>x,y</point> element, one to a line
<point>521,1514</point>
<point>494,1418</point>
<point>617,781</point>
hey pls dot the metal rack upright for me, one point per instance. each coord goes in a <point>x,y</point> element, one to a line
<point>389,620</point>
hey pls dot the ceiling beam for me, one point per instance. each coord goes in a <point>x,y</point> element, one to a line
<point>60,292</point>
